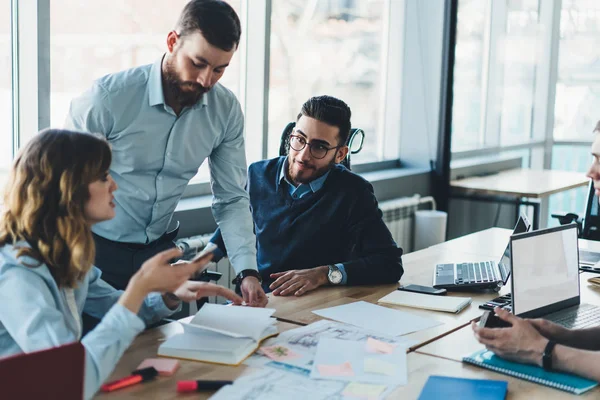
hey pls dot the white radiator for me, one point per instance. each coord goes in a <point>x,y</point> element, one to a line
<point>399,216</point>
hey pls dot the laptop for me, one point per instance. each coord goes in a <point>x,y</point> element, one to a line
<point>545,278</point>
<point>55,373</point>
<point>478,275</point>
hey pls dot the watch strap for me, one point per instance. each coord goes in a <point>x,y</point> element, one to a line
<point>245,273</point>
<point>547,355</point>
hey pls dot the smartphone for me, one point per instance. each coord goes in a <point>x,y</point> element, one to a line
<point>491,320</point>
<point>422,289</point>
<point>209,248</point>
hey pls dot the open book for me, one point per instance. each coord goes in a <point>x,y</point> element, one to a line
<point>221,334</point>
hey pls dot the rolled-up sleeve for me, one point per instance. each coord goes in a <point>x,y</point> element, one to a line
<point>231,205</point>
<point>101,297</point>
<point>35,323</point>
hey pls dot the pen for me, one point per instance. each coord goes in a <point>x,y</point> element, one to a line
<point>140,375</point>
<point>196,386</point>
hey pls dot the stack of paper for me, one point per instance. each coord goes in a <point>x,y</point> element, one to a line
<point>426,301</point>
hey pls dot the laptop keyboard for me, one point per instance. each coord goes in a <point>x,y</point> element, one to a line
<point>587,316</point>
<point>476,272</point>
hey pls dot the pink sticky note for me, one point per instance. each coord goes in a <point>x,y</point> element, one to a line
<point>164,366</point>
<point>377,346</point>
<point>344,369</point>
<point>278,353</point>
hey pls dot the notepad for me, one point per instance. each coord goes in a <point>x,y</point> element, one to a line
<point>567,382</point>
<point>426,301</point>
<point>447,388</point>
<point>221,334</point>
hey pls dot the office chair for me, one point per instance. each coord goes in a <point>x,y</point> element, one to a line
<point>589,225</point>
<point>355,142</point>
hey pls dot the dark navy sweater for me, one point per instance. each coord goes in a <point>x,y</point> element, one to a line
<point>340,223</point>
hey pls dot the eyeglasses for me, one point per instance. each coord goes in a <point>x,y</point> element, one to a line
<point>317,150</point>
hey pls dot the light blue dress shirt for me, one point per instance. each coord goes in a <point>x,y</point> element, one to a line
<point>35,315</point>
<point>305,189</point>
<point>156,153</point>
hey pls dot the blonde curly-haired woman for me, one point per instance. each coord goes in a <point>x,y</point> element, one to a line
<point>59,187</point>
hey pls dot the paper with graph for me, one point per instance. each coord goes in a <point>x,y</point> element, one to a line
<point>380,319</point>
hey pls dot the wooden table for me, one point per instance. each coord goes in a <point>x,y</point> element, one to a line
<point>418,270</point>
<point>516,186</point>
<point>438,350</point>
<point>146,346</point>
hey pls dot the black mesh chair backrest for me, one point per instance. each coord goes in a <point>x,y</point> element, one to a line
<point>355,142</point>
<point>591,220</point>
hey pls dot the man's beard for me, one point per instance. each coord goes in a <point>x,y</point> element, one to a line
<point>314,174</point>
<point>174,86</point>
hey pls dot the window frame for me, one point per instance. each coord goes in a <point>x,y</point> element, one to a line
<point>31,77</point>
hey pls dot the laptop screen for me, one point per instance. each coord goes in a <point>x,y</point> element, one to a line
<point>505,265</point>
<point>545,270</point>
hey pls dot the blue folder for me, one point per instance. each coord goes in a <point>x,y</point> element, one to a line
<point>447,388</point>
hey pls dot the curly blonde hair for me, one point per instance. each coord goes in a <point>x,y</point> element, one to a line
<point>45,197</point>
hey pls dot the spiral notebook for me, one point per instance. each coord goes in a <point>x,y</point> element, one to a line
<point>567,382</point>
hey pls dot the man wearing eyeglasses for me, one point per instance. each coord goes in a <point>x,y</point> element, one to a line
<point>317,223</point>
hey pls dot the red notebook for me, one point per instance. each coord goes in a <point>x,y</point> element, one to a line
<point>55,373</point>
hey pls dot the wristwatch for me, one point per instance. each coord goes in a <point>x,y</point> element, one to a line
<point>547,355</point>
<point>245,273</point>
<point>334,276</point>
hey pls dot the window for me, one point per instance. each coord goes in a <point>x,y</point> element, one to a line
<point>89,39</point>
<point>328,47</point>
<point>577,102</point>
<point>520,49</point>
<point>6,137</point>
<point>499,47</point>
<point>468,75</point>
<point>289,50</point>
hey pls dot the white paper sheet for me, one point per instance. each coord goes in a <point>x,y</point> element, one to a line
<point>377,318</point>
<point>267,384</point>
<point>386,369</point>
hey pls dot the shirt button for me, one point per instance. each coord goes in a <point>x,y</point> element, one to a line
<point>160,178</point>
<point>168,154</point>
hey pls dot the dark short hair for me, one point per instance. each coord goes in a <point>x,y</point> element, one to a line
<point>330,110</point>
<point>215,19</point>
<point>597,128</point>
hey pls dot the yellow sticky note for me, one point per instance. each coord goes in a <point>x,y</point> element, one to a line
<point>363,390</point>
<point>377,366</point>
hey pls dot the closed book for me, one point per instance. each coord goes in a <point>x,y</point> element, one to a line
<point>426,301</point>
<point>447,388</point>
<point>567,382</point>
<point>221,334</point>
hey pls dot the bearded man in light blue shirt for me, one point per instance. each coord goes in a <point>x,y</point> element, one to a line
<point>162,121</point>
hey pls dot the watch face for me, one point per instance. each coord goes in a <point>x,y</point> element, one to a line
<point>335,276</point>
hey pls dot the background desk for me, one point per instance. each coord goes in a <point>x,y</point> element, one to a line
<point>516,186</point>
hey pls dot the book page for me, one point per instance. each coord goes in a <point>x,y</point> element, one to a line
<point>235,321</point>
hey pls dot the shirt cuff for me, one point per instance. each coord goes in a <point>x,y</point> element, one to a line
<point>344,274</point>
